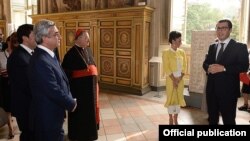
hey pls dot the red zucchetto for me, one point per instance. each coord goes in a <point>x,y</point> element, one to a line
<point>79,33</point>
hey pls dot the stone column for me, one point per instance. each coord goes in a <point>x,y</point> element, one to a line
<point>1,10</point>
<point>7,15</point>
<point>7,11</point>
<point>158,39</point>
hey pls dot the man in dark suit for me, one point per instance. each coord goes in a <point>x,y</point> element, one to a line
<point>49,85</point>
<point>225,60</point>
<point>17,66</point>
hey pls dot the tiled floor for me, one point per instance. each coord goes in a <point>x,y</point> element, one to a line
<point>136,118</point>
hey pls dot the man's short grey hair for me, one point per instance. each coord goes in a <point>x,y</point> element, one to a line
<point>41,29</point>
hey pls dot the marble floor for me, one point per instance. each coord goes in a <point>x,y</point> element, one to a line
<point>127,117</point>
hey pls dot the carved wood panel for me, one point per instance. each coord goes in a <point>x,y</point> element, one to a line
<point>107,38</point>
<point>123,67</point>
<point>120,50</point>
<point>123,38</point>
<point>70,37</point>
<point>119,39</point>
<point>107,66</point>
<point>56,6</point>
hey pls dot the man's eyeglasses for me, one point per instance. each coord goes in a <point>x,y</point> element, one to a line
<point>56,34</point>
<point>221,28</point>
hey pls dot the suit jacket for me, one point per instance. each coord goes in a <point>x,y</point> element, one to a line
<point>51,96</point>
<point>235,60</point>
<point>17,66</point>
<point>169,60</point>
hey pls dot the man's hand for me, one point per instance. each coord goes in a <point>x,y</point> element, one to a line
<point>215,68</point>
<point>4,72</point>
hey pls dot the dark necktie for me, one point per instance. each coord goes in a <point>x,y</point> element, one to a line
<point>220,51</point>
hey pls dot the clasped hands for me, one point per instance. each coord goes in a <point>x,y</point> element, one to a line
<point>176,81</point>
<point>3,72</point>
<point>215,68</point>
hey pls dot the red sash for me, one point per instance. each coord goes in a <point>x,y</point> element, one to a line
<point>91,70</point>
<point>244,78</point>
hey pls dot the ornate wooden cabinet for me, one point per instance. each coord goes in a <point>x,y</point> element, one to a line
<point>3,27</point>
<point>120,43</point>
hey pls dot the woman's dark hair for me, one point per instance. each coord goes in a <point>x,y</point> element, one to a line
<point>5,44</point>
<point>13,40</point>
<point>173,35</point>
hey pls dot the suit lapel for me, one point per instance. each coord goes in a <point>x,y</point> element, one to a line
<point>59,68</point>
<point>64,75</point>
<point>215,46</point>
<point>229,47</point>
<point>55,64</point>
<point>23,50</point>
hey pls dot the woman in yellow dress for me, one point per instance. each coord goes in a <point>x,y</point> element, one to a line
<point>174,67</point>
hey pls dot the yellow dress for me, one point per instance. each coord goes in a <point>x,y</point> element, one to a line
<point>174,61</point>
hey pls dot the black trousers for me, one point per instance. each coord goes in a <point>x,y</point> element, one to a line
<point>24,127</point>
<point>224,106</point>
